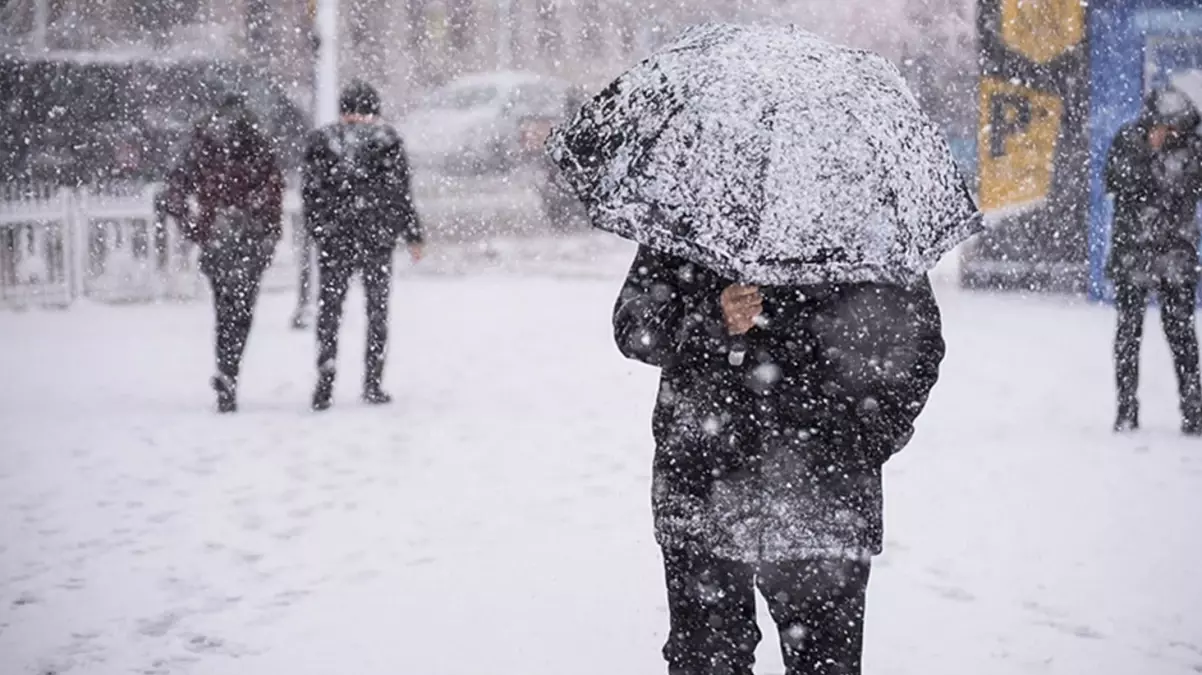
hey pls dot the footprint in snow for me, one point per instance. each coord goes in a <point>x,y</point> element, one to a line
<point>204,644</point>
<point>24,599</point>
<point>160,625</point>
<point>1177,644</point>
<point>952,593</point>
<point>73,584</point>
<point>1075,630</point>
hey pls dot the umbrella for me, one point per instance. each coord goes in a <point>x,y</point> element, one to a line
<point>770,156</point>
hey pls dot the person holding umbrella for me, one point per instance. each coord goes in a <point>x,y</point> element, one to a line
<point>788,198</point>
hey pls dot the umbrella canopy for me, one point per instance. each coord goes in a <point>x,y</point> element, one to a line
<point>772,157</point>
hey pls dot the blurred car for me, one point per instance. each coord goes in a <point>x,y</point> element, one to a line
<point>1189,82</point>
<point>72,119</point>
<point>485,123</point>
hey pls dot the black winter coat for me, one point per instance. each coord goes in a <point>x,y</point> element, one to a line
<point>356,188</point>
<point>229,165</point>
<point>778,458</point>
<point>1155,230</point>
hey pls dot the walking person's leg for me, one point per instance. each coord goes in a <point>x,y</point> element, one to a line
<point>245,280</point>
<point>818,608</point>
<point>1177,317</point>
<point>215,265</point>
<point>334,267</point>
<point>1130,303</point>
<point>711,610</point>
<point>304,255</point>
<point>377,284</point>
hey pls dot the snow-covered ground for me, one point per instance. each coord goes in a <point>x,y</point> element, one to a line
<point>495,519</point>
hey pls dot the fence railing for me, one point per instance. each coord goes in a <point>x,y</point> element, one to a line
<point>57,246</point>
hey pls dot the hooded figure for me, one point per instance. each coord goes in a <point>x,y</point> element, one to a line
<point>1154,174</point>
<point>767,469</point>
<point>357,204</point>
<point>231,170</point>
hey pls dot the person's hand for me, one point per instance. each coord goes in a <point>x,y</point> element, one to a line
<point>417,252</point>
<point>741,306</point>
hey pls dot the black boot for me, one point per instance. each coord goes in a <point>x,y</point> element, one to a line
<point>1191,419</point>
<point>300,319</point>
<point>226,388</point>
<point>373,373</point>
<point>374,395</point>
<point>323,396</point>
<point>1191,409</point>
<point>1128,418</point>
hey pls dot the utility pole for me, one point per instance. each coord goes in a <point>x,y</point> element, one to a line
<point>505,34</point>
<point>326,76</point>
<point>41,18</point>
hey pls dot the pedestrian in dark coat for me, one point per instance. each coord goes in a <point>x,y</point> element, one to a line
<point>1154,173</point>
<point>777,409</point>
<point>357,203</point>
<point>232,171</point>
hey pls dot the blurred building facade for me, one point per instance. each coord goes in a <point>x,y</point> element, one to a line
<point>408,46</point>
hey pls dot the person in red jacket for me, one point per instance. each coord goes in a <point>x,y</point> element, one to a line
<point>233,173</point>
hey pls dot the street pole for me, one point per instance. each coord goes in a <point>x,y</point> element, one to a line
<point>505,34</point>
<point>326,77</point>
<point>41,17</point>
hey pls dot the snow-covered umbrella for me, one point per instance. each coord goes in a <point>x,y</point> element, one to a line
<point>771,156</point>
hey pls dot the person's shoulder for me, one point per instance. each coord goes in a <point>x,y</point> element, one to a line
<point>1130,133</point>
<point>322,138</point>
<point>386,135</point>
<point>1194,142</point>
<point>316,136</point>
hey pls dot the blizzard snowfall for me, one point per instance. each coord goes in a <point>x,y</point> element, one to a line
<point>496,518</point>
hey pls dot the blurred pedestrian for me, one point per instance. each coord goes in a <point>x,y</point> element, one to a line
<point>357,203</point>
<point>304,283</point>
<point>1154,174</point>
<point>232,171</point>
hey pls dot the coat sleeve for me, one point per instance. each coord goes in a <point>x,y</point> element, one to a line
<point>401,210</point>
<point>1122,175</point>
<point>268,204</point>
<point>885,412</point>
<point>1195,176</point>
<point>663,313</point>
<point>315,195</point>
<point>183,181</point>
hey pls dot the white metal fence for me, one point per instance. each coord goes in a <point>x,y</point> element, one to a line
<point>60,245</point>
<point>57,246</point>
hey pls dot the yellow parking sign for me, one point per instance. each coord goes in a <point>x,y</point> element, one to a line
<point>1042,30</point>
<point>1019,130</point>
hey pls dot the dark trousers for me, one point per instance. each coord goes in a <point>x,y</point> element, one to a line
<point>304,259</point>
<point>335,267</point>
<point>817,605</point>
<point>1177,317</point>
<point>234,270</point>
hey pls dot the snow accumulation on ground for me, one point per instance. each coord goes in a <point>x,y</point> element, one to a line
<point>495,519</point>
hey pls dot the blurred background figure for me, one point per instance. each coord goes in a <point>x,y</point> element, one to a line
<point>1154,173</point>
<point>357,203</point>
<point>304,282</point>
<point>233,173</point>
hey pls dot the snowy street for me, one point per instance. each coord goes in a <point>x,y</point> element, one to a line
<point>496,518</point>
